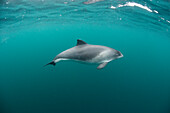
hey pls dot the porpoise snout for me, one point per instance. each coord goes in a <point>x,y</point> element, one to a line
<point>120,55</point>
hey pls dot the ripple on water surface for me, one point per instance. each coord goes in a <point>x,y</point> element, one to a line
<point>144,14</point>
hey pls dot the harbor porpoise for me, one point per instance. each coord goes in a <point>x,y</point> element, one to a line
<point>88,53</point>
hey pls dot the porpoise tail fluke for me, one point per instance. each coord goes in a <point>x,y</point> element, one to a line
<point>51,63</point>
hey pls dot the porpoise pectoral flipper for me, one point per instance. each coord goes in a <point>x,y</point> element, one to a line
<point>88,53</point>
<point>102,65</point>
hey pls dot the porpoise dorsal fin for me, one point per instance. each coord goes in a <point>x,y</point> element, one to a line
<point>80,42</point>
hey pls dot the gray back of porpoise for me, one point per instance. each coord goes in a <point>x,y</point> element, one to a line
<point>88,53</point>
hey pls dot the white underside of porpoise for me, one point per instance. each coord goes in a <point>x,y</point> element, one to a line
<point>102,57</point>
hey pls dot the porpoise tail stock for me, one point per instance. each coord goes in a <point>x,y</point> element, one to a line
<point>88,53</point>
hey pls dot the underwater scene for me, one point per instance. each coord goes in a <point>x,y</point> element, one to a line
<point>119,61</point>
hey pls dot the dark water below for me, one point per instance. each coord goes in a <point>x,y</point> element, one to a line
<point>33,32</point>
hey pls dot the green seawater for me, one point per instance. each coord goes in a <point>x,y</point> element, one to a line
<point>137,83</point>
